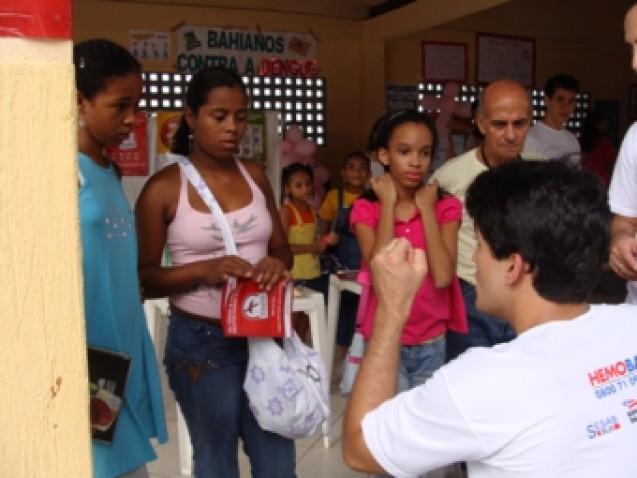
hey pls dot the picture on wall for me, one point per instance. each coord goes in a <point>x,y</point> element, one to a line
<point>444,61</point>
<point>500,56</point>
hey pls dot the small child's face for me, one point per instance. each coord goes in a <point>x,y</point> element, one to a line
<point>355,172</point>
<point>299,186</point>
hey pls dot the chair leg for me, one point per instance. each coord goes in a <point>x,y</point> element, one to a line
<point>185,447</point>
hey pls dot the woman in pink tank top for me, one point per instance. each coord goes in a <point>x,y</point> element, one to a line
<point>206,370</point>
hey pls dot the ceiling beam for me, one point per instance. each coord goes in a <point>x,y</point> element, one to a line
<point>423,14</point>
<point>319,8</point>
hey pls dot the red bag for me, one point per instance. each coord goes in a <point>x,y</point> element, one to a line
<point>247,310</point>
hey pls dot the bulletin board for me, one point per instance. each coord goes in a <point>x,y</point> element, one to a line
<point>500,56</point>
<point>444,61</point>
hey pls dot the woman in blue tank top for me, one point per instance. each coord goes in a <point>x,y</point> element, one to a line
<point>109,86</point>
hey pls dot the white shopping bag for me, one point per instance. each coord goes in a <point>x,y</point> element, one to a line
<point>286,386</point>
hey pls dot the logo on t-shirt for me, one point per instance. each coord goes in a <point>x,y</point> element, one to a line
<point>631,406</point>
<point>603,427</point>
<point>614,377</point>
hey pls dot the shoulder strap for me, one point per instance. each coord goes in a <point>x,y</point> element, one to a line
<point>206,195</point>
<point>296,213</point>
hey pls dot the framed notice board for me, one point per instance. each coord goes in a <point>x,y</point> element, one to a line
<point>500,56</point>
<point>444,61</point>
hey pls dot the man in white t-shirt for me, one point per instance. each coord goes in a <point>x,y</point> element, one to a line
<point>623,190</point>
<point>560,400</point>
<point>549,139</point>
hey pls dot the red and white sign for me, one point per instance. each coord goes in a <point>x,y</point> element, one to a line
<point>132,155</point>
<point>36,18</point>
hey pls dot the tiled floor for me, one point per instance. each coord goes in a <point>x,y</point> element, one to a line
<point>312,459</point>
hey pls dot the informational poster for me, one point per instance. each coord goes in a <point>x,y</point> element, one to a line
<point>243,50</point>
<point>149,45</point>
<point>442,62</point>
<point>167,124</point>
<point>253,145</point>
<point>400,97</point>
<point>132,154</point>
<point>36,18</point>
<point>505,57</point>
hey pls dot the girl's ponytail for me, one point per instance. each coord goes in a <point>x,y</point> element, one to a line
<point>181,138</point>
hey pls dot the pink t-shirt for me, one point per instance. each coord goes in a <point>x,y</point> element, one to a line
<point>433,310</point>
<point>194,236</point>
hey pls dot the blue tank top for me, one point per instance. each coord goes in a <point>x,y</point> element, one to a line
<point>115,317</point>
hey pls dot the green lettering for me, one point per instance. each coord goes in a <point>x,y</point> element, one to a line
<point>223,40</point>
<point>269,44</point>
<point>259,42</point>
<point>280,44</point>
<point>234,38</point>
<point>212,39</point>
<point>249,69</point>
<point>247,42</point>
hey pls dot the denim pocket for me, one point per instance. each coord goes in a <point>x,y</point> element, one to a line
<point>184,341</point>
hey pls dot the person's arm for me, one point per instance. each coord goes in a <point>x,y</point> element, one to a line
<point>623,247</point>
<point>277,264</point>
<point>442,240</point>
<point>386,191</point>
<point>397,270</point>
<point>154,210</point>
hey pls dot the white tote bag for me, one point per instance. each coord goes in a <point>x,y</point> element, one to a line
<point>286,387</point>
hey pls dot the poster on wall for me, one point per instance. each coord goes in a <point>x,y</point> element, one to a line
<point>167,124</point>
<point>131,156</point>
<point>501,56</point>
<point>243,51</point>
<point>444,61</point>
<point>400,97</point>
<point>252,144</point>
<point>148,45</point>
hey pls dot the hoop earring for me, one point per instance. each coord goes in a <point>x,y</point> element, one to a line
<point>190,138</point>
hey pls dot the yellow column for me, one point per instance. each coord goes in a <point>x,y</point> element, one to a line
<point>44,399</point>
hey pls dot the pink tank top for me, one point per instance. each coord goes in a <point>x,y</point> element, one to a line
<point>194,236</point>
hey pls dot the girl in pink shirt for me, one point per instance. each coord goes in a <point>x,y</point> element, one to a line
<point>400,205</point>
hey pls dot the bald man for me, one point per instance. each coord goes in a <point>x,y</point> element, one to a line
<point>623,190</point>
<point>504,118</point>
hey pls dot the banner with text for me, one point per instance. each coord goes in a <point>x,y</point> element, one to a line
<point>245,51</point>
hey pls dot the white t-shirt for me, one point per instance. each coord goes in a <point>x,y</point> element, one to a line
<point>560,400</point>
<point>622,195</point>
<point>553,144</point>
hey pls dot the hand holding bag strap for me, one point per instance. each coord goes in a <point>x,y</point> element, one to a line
<point>207,197</point>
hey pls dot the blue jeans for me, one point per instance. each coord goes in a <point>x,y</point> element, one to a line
<point>206,373</point>
<point>484,330</point>
<point>419,362</point>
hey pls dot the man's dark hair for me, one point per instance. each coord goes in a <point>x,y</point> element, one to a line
<point>555,217</point>
<point>566,82</point>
